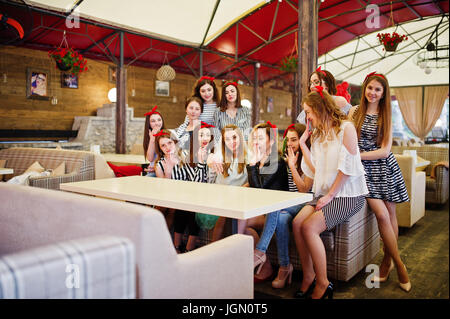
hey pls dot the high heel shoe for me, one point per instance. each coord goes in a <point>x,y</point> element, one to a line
<point>328,292</point>
<point>259,261</point>
<point>385,278</point>
<point>283,274</point>
<point>305,295</point>
<point>406,286</point>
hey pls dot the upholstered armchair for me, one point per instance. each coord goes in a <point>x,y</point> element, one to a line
<point>409,213</point>
<point>437,177</point>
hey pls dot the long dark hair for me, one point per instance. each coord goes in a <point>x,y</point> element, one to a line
<point>200,82</point>
<point>147,133</point>
<point>328,78</point>
<point>223,100</point>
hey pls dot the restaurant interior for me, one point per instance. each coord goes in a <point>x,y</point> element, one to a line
<point>88,223</point>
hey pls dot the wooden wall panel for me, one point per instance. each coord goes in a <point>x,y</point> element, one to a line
<point>18,112</point>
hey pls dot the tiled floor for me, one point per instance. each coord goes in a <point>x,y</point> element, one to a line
<point>424,249</point>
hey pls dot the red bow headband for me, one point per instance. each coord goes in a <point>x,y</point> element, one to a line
<point>206,78</point>
<point>273,126</point>
<point>319,89</point>
<point>319,69</point>
<point>231,83</point>
<point>161,133</point>
<point>153,111</point>
<point>290,127</point>
<point>375,74</point>
<point>203,125</point>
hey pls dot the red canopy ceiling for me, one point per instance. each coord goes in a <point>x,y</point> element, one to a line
<point>266,35</point>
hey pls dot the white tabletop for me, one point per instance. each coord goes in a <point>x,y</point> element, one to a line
<point>124,159</point>
<point>221,200</point>
<point>5,171</point>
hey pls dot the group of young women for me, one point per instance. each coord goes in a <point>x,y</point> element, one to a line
<point>338,152</point>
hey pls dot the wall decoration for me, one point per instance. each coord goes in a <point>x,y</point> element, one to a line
<point>269,104</point>
<point>162,88</point>
<point>37,84</point>
<point>112,74</point>
<point>69,81</point>
<point>288,111</point>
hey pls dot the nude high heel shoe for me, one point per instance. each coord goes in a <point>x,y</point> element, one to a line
<point>283,274</point>
<point>385,278</point>
<point>406,286</point>
<point>259,261</point>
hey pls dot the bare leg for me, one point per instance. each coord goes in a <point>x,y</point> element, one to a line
<point>311,229</point>
<point>177,239</point>
<point>303,252</point>
<point>389,237</point>
<point>218,229</point>
<point>192,240</point>
<point>253,225</point>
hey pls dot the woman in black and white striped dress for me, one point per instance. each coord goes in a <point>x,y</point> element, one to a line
<point>206,90</point>
<point>173,163</point>
<point>231,112</point>
<point>339,187</point>
<point>383,176</point>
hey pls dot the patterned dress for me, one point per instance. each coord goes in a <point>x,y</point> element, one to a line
<point>384,178</point>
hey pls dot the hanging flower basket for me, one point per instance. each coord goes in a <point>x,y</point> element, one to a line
<point>289,64</point>
<point>68,59</point>
<point>391,41</point>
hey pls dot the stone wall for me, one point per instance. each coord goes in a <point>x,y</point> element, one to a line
<point>101,129</point>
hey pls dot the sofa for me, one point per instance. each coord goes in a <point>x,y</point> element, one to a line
<point>349,246</point>
<point>97,267</point>
<point>437,185</point>
<point>410,212</point>
<point>79,165</point>
<point>31,217</point>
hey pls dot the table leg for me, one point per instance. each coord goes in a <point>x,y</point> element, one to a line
<point>234,226</point>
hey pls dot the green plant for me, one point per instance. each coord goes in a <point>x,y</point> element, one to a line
<point>289,64</point>
<point>69,58</point>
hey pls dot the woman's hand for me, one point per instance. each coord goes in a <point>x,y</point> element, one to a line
<point>202,154</point>
<point>214,164</point>
<point>149,168</point>
<point>323,201</point>
<point>255,156</point>
<point>305,136</point>
<point>292,158</point>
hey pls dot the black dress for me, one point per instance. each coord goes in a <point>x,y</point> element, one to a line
<point>384,178</point>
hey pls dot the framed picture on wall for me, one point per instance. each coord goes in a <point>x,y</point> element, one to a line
<point>112,74</point>
<point>37,84</point>
<point>162,88</point>
<point>69,81</point>
<point>269,104</point>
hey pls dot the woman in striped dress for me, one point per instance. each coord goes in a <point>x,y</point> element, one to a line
<point>231,111</point>
<point>339,187</point>
<point>173,163</point>
<point>383,176</point>
<point>205,89</point>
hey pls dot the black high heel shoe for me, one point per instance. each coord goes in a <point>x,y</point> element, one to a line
<point>328,292</point>
<point>305,295</point>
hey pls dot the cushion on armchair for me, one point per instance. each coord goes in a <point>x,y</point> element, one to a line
<point>126,170</point>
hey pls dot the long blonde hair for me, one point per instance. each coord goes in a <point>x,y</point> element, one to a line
<point>227,154</point>
<point>326,110</point>
<point>384,110</point>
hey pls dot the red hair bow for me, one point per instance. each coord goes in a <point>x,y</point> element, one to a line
<point>319,69</point>
<point>320,90</point>
<point>375,74</point>
<point>161,133</point>
<point>273,126</point>
<point>206,78</point>
<point>153,111</point>
<point>203,125</point>
<point>292,126</point>
<point>231,83</point>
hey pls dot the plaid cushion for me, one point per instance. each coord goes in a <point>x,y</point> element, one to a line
<point>93,267</point>
<point>80,165</point>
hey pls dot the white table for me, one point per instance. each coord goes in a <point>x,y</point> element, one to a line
<point>6,171</point>
<point>220,200</point>
<point>124,159</point>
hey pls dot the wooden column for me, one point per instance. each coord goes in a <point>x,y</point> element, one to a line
<point>121,121</point>
<point>255,106</point>
<point>308,42</point>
